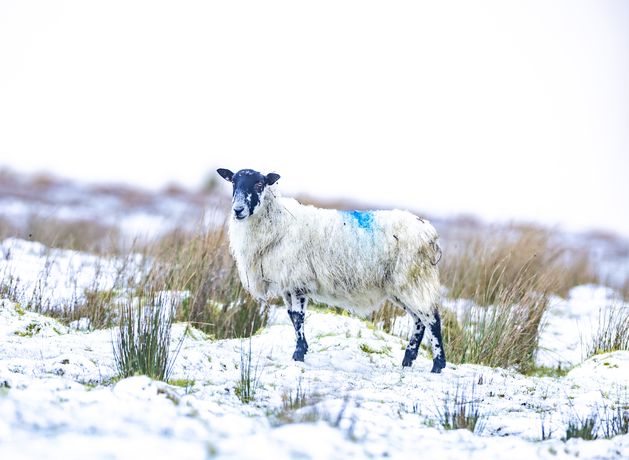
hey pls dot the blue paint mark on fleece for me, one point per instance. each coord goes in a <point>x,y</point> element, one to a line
<point>364,219</point>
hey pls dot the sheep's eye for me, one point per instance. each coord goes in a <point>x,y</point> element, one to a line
<point>259,186</point>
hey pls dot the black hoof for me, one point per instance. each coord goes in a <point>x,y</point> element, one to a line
<point>437,366</point>
<point>300,351</point>
<point>409,357</point>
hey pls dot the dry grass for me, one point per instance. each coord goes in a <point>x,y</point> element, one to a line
<point>96,305</point>
<point>515,261</point>
<point>623,289</point>
<point>195,263</point>
<point>76,234</point>
<point>7,229</point>
<point>502,335</point>
<point>613,330</point>
<point>508,278</point>
<point>80,235</point>
<point>200,264</point>
<point>299,406</point>
<point>132,197</point>
<point>507,275</point>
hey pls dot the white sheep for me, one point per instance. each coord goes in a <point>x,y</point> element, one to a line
<point>355,260</point>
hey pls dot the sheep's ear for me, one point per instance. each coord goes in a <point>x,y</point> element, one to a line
<point>225,174</point>
<point>272,178</point>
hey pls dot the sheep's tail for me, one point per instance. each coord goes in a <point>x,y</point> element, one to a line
<point>437,252</point>
<point>434,245</point>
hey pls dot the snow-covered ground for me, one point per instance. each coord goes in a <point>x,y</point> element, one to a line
<point>59,397</point>
<point>57,278</point>
<point>571,323</point>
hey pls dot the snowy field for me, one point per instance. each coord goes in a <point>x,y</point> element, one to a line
<point>61,398</point>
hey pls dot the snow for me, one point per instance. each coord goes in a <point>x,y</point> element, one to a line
<point>55,278</point>
<point>571,324</point>
<point>59,397</point>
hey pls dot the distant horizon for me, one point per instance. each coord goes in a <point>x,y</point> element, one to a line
<point>340,202</point>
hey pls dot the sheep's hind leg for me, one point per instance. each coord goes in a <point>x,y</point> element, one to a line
<point>423,321</point>
<point>296,303</point>
<point>416,339</point>
<point>438,353</point>
<point>413,346</point>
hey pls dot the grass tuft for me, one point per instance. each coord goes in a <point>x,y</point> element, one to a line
<point>613,330</point>
<point>461,410</point>
<point>142,343</point>
<point>298,406</point>
<point>249,375</point>
<point>602,423</point>
<point>548,371</point>
<point>583,428</point>
<point>366,348</point>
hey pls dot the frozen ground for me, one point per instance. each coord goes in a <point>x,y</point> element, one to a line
<point>59,397</point>
<point>57,278</point>
<point>571,323</point>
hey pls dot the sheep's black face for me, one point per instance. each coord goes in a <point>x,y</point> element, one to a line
<point>249,190</point>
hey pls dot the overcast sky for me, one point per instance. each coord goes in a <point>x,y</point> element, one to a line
<point>507,110</point>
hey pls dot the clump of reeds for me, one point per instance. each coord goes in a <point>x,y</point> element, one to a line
<point>142,341</point>
<point>250,374</point>
<point>508,279</point>
<point>613,330</point>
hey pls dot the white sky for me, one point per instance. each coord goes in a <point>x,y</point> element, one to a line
<point>500,109</point>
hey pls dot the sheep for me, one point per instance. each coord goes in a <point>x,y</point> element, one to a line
<point>351,259</point>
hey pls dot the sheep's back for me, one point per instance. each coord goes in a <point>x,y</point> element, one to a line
<point>357,258</point>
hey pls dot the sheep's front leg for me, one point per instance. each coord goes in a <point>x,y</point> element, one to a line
<point>296,303</point>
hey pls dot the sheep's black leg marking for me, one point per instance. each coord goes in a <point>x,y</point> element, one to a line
<point>416,339</point>
<point>413,345</point>
<point>423,321</point>
<point>438,353</point>
<point>296,304</point>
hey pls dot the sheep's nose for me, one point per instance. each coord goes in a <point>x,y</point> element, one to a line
<point>238,210</point>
